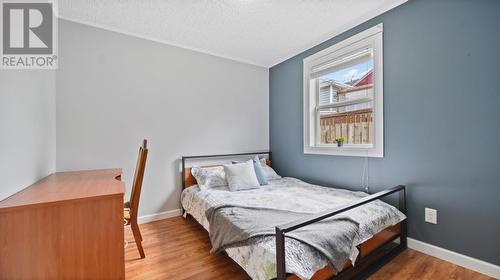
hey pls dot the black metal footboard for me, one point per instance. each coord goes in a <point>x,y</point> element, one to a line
<point>373,260</point>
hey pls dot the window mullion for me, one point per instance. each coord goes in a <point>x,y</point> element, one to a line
<point>344,103</point>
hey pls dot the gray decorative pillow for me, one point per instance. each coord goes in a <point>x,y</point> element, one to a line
<point>209,177</point>
<point>241,176</point>
<point>268,171</point>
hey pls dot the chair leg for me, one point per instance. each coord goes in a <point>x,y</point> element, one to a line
<point>138,239</point>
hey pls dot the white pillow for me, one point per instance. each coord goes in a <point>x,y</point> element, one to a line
<point>209,177</point>
<point>241,176</point>
<point>268,171</point>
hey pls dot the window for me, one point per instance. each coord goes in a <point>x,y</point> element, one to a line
<point>343,97</point>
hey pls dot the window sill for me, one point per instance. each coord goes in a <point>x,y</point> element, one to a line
<point>345,151</point>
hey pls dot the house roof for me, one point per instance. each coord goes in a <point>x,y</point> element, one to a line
<point>335,84</point>
<point>365,80</point>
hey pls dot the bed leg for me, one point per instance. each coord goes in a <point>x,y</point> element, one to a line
<point>404,224</point>
<point>280,254</point>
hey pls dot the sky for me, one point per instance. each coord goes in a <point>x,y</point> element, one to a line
<point>351,73</point>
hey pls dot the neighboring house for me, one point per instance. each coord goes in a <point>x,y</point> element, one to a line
<point>364,80</point>
<point>328,91</point>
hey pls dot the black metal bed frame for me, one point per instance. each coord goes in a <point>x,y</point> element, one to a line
<point>364,265</point>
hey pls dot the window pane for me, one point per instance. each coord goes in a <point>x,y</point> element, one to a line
<point>353,122</point>
<point>348,83</point>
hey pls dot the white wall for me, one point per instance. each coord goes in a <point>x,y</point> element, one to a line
<point>114,89</point>
<point>27,128</point>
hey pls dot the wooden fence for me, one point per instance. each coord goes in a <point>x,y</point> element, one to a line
<point>354,126</point>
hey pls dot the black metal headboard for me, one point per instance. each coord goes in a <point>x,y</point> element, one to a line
<point>184,158</point>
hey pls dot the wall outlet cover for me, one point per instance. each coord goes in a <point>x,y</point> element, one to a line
<point>431,215</point>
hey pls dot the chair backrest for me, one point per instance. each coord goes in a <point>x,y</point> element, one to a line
<point>137,183</point>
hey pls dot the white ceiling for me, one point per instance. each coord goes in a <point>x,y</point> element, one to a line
<point>260,32</point>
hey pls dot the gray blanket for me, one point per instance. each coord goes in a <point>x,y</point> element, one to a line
<point>236,225</point>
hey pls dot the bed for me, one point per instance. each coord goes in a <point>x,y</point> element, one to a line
<point>381,234</point>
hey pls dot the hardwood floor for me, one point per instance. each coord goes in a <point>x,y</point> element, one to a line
<point>179,249</point>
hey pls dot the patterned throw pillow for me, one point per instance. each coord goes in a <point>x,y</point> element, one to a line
<point>209,177</point>
<point>268,171</point>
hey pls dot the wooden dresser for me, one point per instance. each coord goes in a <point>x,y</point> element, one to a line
<point>68,225</point>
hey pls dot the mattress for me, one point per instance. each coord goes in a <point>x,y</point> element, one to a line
<point>259,258</point>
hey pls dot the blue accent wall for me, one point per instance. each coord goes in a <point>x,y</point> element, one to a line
<point>441,121</point>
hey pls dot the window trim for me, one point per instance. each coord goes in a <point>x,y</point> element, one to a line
<point>372,37</point>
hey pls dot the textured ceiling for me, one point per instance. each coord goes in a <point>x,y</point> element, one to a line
<point>260,32</point>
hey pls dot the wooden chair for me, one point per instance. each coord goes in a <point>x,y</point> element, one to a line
<point>131,207</point>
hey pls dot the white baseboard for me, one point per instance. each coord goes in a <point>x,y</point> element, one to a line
<point>159,216</point>
<point>455,258</point>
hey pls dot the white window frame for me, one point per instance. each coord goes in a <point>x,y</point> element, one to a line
<point>373,38</point>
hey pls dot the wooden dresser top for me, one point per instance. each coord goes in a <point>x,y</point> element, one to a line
<point>64,186</point>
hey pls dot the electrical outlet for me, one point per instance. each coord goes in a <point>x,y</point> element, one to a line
<point>431,215</point>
